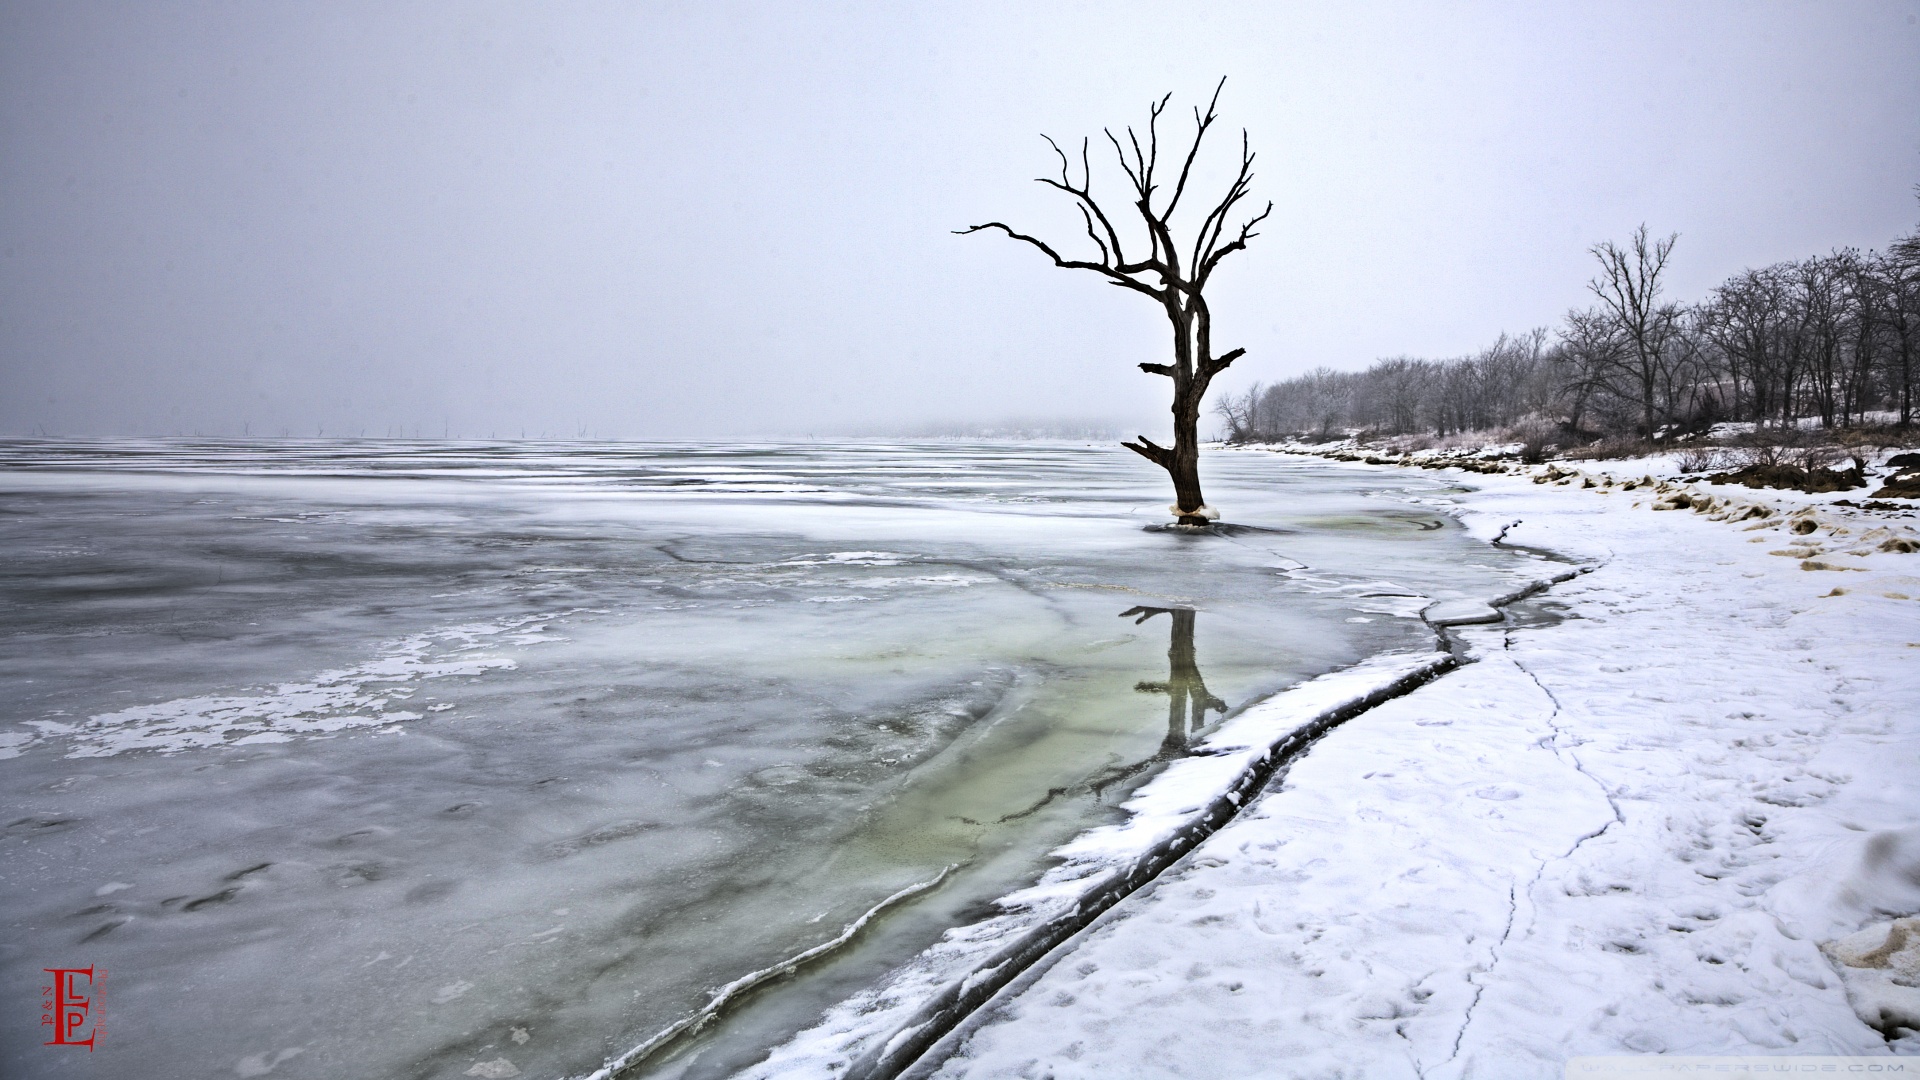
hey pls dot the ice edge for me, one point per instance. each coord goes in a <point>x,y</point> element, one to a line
<point>719,999</point>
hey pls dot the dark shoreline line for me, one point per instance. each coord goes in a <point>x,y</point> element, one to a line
<point>718,1001</point>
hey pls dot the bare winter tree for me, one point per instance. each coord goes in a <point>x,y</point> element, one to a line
<point>1239,414</point>
<point>1629,291</point>
<point>1898,276</point>
<point>1173,273</point>
<point>1744,318</point>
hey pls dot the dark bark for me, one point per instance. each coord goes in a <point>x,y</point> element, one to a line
<point>1177,284</point>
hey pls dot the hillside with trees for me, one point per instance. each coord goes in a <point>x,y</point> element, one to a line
<point>1830,341</point>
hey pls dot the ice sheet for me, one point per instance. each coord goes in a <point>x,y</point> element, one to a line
<point>376,759</point>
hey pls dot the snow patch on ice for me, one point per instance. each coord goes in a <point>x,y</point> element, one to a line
<point>850,558</point>
<point>1460,613</point>
<point>265,1062</point>
<point>327,703</point>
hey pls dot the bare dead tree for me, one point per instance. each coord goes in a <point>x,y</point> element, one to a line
<point>1629,291</point>
<point>1239,413</point>
<point>1172,273</point>
<point>1898,275</point>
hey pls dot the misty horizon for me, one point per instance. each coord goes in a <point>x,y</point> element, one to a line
<point>656,224</point>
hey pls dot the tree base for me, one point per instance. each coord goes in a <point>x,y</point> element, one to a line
<point>1194,517</point>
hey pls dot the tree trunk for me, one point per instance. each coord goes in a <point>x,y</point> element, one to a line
<point>1182,459</point>
<point>1185,466</point>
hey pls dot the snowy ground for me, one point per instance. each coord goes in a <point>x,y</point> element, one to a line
<point>1671,807</point>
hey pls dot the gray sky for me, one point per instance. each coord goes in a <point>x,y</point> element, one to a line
<point>683,220</point>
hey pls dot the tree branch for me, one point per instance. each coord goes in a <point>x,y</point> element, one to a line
<point>1106,257</point>
<point>1159,455</point>
<point>1125,166</point>
<point>1220,363</point>
<point>1145,613</point>
<point>1239,244</point>
<point>1201,124</point>
<point>1083,194</point>
<point>1118,275</point>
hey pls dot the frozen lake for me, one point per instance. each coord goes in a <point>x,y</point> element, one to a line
<point>388,759</point>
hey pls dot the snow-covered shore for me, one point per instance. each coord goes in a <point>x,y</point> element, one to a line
<point>1632,829</point>
<point>1672,807</point>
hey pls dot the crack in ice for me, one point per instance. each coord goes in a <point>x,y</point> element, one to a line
<point>1493,961</point>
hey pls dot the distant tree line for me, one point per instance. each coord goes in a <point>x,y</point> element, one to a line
<point>1833,338</point>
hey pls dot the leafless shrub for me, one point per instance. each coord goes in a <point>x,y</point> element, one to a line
<point>1700,459</point>
<point>1809,458</point>
<point>1608,449</point>
<point>1789,460</point>
<point>1536,436</point>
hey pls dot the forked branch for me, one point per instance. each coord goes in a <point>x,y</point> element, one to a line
<point>1200,126</point>
<point>1116,274</point>
<point>1146,448</point>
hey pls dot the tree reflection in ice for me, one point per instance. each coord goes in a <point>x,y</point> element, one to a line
<point>1188,699</point>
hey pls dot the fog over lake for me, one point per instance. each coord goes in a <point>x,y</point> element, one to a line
<point>683,221</point>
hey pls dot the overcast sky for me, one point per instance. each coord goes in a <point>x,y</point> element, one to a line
<point>652,220</point>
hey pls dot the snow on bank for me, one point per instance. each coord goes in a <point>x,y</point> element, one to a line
<point>877,1031</point>
<point>1680,820</point>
